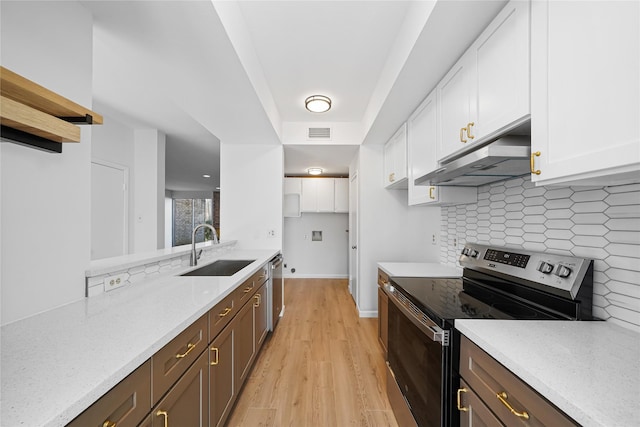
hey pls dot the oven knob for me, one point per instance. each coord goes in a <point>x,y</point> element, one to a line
<point>465,251</point>
<point>563,271</point>
<point>545,267</point>
<point>473,253</point>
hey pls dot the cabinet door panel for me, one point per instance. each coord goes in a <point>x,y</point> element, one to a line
<point>503,71</point>
<point>342,195</point>
<point>455,100</point>
<point>326,194</point>
<point>244,344</point>
<point>383,324</point>
<point>260,316</point>
<point>187,403</point>
<point>585,95</point>
<point>422,135</point>
<point>221,389</point>
<point>309,198</point>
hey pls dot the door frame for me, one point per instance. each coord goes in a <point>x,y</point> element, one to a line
<point>125,195</point>
<point>354,224</point>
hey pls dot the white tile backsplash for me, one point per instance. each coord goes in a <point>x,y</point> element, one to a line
<point>601,223</point>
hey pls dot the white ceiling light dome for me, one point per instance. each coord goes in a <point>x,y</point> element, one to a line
<point>315,171</point>
<point>318,103</point>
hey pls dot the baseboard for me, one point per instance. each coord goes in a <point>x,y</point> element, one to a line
<point>368,313</point>
<point>315,276</point>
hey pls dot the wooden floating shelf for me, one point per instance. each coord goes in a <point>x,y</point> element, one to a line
<point>35,115</point>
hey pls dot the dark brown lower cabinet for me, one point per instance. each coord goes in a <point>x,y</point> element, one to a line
<point>383,320</point>
<point>510,400</point>
<point>473,412</point>
<point>261,316</point>
<point>187,403</point>
<point>243,343</point>
<point>124,405</point>
<point>221,387</point>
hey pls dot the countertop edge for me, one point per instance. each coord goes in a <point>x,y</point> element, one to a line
<point>94,391</point>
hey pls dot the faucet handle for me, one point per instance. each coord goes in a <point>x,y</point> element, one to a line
<point>199,253</point>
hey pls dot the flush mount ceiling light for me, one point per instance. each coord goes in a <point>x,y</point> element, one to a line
<point>317,103</point>
<point>314,171</point>
<point>206,176</point>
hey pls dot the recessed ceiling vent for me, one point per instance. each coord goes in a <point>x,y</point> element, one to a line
<point>319,133</point>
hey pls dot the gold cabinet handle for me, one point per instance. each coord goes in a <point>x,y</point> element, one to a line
<point>258,300</point>
<point>431,192</point>
<point>108,424</point>
<point>166,417</point>
<point>226,311</point>
<point>533,167</point>
<point>469,130</point>
<point>462,139</point>
<point>502,397</point>
<point>215,360</point>
<point>248,289</point>
<point>392,177</point>
<point>460,407</point>
<point>190,347</point>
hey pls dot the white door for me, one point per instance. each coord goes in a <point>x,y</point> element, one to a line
<point>109,236</point>
<point>353,237</point>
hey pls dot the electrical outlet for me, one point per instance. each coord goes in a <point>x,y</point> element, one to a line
<point>434,240</point>
<point>271,233</point>
<point>113,282</point>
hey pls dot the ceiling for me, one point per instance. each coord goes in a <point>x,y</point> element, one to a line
<point>238,72</point>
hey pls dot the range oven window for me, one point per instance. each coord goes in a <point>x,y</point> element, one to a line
<point>416,362</point>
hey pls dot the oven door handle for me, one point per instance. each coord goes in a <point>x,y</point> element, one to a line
<point>425,325</point>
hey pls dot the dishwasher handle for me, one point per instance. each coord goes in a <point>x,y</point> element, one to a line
<point>276,262</point>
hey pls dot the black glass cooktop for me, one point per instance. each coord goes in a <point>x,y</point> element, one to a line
<point>445,300</point>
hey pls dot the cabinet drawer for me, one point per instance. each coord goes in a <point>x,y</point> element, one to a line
<point>473,412</point>
<point>170,362</point>
<point>489,380</point>
<point>221,314</point>
<point>383,278</point>
<point>124,405</point>
<point>251,285</point>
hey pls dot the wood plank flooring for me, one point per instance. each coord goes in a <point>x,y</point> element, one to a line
<point>323,365</point>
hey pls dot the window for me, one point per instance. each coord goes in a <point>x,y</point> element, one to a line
<point>187,213</point>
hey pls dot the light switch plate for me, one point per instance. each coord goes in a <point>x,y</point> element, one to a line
<point>113,282</point>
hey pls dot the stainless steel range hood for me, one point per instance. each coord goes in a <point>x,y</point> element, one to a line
<point>507,157</point>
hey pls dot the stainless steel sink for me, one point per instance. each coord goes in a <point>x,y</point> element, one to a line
<point>222,267</point>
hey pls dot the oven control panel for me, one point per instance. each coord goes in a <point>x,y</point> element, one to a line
<point>562,274</point>
<point>509,258</point>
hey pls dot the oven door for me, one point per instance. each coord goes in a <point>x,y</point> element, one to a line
<point>417,360</point>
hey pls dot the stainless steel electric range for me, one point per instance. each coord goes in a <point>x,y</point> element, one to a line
<point>497,283</point>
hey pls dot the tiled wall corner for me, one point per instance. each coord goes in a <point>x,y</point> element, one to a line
<point>602,223</point>
<point>95,284</point>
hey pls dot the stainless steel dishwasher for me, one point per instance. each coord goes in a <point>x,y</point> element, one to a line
<point>276,291</point>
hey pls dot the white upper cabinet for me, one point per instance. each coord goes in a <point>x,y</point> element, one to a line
<point>325,195</point>
<point>486,93</point>
<point>341,195</point>
<point>585,126</point>
<point>422,137</point>
<point>395,159</point>
<point>293,186</point>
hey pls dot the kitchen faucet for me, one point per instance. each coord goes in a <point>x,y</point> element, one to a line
<point>194,255</point>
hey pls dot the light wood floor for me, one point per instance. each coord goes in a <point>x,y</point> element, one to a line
<point>322,366</point>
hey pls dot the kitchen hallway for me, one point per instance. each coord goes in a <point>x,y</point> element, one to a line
<point>323,365</point>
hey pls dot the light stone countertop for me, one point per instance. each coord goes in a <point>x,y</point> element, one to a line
<point>419,269</point>
<point>590,370</point>
<point>57,363</point>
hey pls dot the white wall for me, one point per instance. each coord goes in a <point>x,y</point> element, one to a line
<point>149,187</point>
<point>325,259</point>
<point>45,196</point>
<point>251,178</point>
<point>389,230</point>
